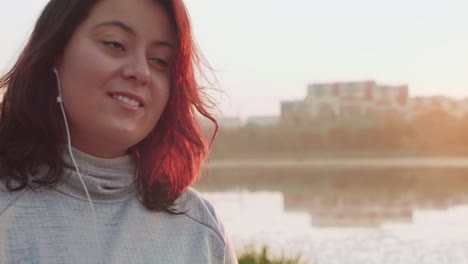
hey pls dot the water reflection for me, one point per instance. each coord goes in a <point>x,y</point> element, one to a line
<point>255,219</point>
<point>346,216</point>
<point>450,224</point>
<point>259,218</point>
<point>342,197</point>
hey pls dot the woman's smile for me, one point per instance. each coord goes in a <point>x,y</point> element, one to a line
<point>128,100</point>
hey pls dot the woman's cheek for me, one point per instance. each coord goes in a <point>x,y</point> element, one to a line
<point>97,65</point>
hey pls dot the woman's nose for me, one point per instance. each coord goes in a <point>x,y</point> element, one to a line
<point>137,70</point>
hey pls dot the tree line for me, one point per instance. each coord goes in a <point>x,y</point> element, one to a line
<point>432,132</point>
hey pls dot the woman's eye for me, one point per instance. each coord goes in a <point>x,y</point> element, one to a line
<point>160,63</point>
<point>114,45</point>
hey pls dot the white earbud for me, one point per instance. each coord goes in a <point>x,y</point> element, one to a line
<point>59,98</point>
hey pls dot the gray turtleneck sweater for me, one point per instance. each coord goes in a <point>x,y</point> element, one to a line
<point>55,225</point>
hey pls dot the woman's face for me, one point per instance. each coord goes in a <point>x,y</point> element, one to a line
<point>115,75</point>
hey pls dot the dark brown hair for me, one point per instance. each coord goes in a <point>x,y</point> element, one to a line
<point>32,130</point>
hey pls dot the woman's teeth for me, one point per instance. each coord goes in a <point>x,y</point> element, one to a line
<point>126,100</point>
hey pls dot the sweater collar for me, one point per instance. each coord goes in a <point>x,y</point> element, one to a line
<point>107,180</point>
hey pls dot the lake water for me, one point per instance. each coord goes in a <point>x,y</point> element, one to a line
<point>335,213</point>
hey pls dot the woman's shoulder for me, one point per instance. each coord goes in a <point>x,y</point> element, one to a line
<point>200,210</point>
<point>5,194</point>
<point>7,197</point>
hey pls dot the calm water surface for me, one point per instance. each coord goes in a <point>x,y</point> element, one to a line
<point>346,214</point>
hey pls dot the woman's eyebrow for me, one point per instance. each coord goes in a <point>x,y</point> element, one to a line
<point>118,24</point>
<point>130,30</point>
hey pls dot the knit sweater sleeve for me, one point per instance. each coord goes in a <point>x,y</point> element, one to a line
<point>229,253</point>
<point>202,211</point>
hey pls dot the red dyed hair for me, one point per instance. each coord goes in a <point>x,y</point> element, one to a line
<point>171,158</point>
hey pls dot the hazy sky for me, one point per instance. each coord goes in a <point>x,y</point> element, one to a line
<point>265,51</point>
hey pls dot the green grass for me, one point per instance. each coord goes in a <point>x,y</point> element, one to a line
<point>252,257</point>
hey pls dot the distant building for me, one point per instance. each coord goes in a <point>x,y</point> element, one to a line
<point>342,99</point>
<point>418,105</point>
<point>262,121</point>
<point>230,122</point>
<point>338,100</point>
<point>293,111</point>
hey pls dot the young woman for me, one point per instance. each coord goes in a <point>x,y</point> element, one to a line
<point>99,140</point>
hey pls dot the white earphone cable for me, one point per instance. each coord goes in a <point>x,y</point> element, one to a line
<point>60,101</point>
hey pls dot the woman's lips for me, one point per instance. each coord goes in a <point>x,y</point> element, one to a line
<point>127,100</point>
